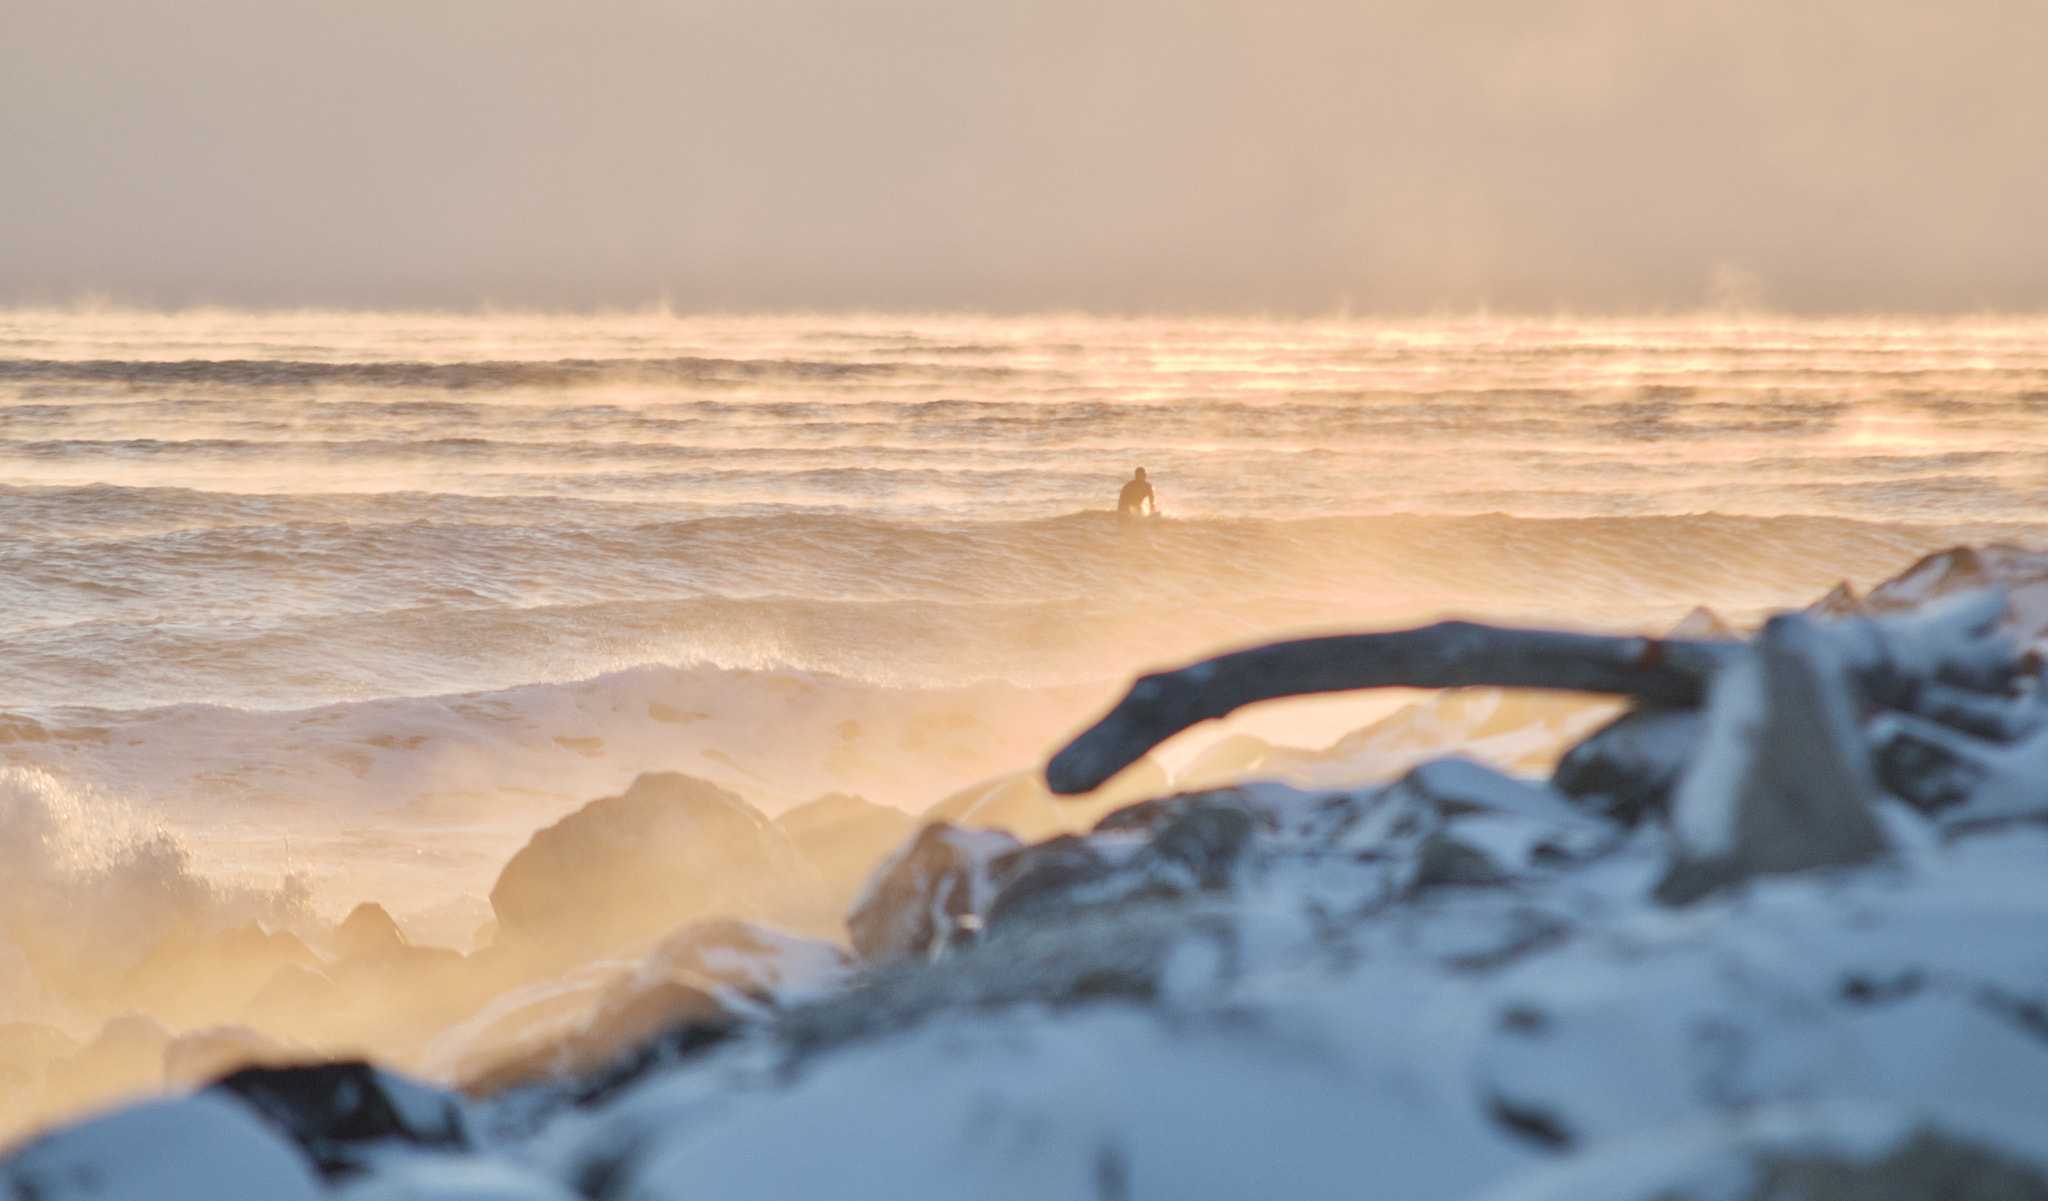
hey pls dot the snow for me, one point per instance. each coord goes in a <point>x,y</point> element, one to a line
<point>1460,986</point>
<point>1717,1158</point>
<point>1110,1103</point>
<point>199,1149</point>
<point>451,1178</point>
<point>1287,1060</point>
<point>1319,1029</point>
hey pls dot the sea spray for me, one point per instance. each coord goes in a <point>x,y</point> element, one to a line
<point>394,591</point>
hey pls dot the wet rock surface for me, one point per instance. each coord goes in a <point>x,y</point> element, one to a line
<point>843,838</point>
<point>619,872</point>
<point>368,930</point>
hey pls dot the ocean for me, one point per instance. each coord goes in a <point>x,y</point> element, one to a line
<point>359,600</point>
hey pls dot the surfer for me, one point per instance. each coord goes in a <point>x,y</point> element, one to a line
<point>1135,496</point>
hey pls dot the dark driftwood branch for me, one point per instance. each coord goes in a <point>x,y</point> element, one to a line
<point>1450,654</point>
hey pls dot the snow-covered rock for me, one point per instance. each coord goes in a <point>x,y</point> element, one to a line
<point>752,963</point>
<point>1107,1102</point>
<point>343,1114</point>
<point>1828,1151</point>
<point>204,1148</point>
<point>1457,985</point>
<point>451,1178</point>
<point>690,992</point>
<point>1431,1045</point>
<point>1626,769</point>
<point>1782,780</point>
<point>918,895</point>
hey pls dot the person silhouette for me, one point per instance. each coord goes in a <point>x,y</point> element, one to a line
<point>1136,495</point>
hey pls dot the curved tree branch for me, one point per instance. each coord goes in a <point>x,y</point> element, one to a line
<point>1450,654</point>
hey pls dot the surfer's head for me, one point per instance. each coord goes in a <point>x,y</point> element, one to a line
<point>1140,475</point>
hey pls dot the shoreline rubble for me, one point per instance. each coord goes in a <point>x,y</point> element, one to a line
<point>1776,933</point>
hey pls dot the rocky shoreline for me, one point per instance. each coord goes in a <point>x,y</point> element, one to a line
<point>1780,937</point>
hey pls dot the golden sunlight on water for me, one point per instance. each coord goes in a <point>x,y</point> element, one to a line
<point>401,588</point>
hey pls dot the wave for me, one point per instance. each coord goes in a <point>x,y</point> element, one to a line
<point>603,551</point>
<point>187,596</point>
<point>417,800</point>
<point>88,887</point>
<point>472,376</point>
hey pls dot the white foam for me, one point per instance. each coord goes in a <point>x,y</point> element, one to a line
<point>86,890</point>
<point>418,802</point>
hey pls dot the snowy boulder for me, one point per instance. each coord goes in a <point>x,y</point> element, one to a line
<point>1070,921</point>
<point>920,894</point>
<point>1197,843</point>
<point>1104,1101</point>
<point>1782,780</point>
<point>619,872</point>
<point>445,1178</point>
<point>1198,851</point>
<point>1117,953</point>
<point>516,1022</point>
<point>1917,986</point>
<point>1626,769</point>
<point>1375,823</point>
<point>1151,816</point>
<point>1042,875</point>
<point>1838,1151</point>
<point>204,1148</point>
<point>1966,759</point>
<point>2020,575</point>
<point>1513,825</point>
<point>691,992</point>
<point>342,1113</point>
<point>751,963</point>
<point>1449,821</point>
<point>1974,781</point>
<point>1458,786</point>
<point>748,972</point>
<point>644,1017</point>
<point>1954,642</point>
<point>1957,569</point>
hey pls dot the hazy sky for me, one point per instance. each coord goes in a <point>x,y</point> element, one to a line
<point>1122,155</point>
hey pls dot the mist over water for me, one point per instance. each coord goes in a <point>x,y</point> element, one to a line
<point>287,510</point>
<point>402,587</point>
<point>300,610</point>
